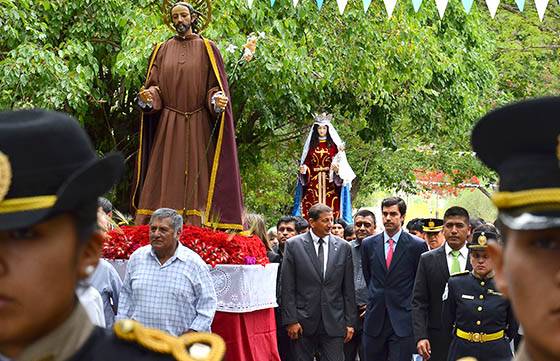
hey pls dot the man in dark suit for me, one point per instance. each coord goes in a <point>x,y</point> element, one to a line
<point>318,302</point>
<point>389,263</point>
<point>433,272</point>
<point>364,226</point>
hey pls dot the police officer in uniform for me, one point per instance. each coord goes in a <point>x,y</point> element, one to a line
<point>480,319</point>
<point>433,228</point>
<point>50,179</point>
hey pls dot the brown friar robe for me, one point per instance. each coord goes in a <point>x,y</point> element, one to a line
<point>182,83</point>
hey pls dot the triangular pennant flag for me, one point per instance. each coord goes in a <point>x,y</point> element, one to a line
<point>250,3</point>
<point>341,5</point>
<point>492,7</point>
<point>390,6</point>
<point>521,4</point>
<point>295,2</point>
<point>467,5</point>
<point>541,7</point>
<point>272,2</point>
<point>367,3</point>
<point>319,4</point>
<point>416,5</point>
<point>441,5</point>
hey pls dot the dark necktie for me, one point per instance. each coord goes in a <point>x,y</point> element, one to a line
<point>321,257</point>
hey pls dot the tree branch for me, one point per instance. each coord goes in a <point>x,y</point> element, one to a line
<point>106,41</point>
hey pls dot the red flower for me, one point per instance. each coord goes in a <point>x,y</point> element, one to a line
<point>214,247</point>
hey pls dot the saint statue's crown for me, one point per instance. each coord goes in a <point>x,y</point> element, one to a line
<point>323,118</point>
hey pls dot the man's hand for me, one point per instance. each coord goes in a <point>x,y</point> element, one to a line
<point>349,334</point>
<point>294,331</point>
<point>221,101</point>
<point>424,348</point>
<point>334,167</point>
<point>303,169</point>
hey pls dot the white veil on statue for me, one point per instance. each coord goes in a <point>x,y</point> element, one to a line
<point>345,172</point>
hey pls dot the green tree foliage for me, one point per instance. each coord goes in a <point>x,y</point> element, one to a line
<point>405,91</point>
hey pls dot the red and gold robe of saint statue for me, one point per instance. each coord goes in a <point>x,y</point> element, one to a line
<point>317,187</point>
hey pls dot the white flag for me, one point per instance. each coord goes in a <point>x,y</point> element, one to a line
<point>541,7</point>
<point>250,3</point>
<point>341,5</point>
<point>390,6</point>
<point>441,6</point>
<point>492,7</point>
<point>295,2</point>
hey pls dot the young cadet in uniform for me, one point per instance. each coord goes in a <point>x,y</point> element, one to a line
<point>521,143</point>
<point>50,178</point>
<point>481,319</point>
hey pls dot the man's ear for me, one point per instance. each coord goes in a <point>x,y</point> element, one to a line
<point>496,252</point>
<point>89,254</point>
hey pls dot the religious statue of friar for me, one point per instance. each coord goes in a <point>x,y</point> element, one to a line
<point>187,157</point>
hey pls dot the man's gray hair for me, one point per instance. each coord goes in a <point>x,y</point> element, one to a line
<point>176,219</point>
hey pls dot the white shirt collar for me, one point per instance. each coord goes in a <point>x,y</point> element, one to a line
<point>464,251</point>
<point>179,253</point>
<point>395,237</point>
<point>316,237</point>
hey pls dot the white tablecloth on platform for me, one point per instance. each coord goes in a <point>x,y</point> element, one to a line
<point>240,288</point>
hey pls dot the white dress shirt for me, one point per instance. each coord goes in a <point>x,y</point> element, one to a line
<point>325,248</point>
<point>463,256</point>
<point>90,298</point>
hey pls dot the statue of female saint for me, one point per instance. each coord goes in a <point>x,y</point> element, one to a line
<point>187,158</point>
<point>324,173</point>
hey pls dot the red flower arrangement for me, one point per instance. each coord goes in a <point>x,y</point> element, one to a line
<point>214,247</point>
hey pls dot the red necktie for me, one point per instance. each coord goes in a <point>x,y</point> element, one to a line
<point>390,252</point>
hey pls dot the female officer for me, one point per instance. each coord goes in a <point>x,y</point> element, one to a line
<point>480,319</point>
<point>50,178</point>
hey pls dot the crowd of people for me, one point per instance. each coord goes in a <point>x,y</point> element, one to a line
<point>382,292</point>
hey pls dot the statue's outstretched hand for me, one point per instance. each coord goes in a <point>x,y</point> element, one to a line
<point>220,101</point>
<point>145,96</point>
<point>144,99</point>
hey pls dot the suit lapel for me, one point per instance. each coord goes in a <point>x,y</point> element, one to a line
<point>310,249</point>
<point>468,266</point>
<point>442,260</point>
<point>379,248</point>
<point>402,247</point>
<point>333,252</point>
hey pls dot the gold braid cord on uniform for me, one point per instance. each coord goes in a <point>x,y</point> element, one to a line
<point>161,342</point>
<point>504,200</point>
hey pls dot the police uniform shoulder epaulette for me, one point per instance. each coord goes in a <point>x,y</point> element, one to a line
<point>196,346</point>
<point>460,273</point>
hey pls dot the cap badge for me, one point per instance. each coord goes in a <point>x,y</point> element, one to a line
<point>482,239</point>
<point>5,175</point>
<point>431,224</point>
